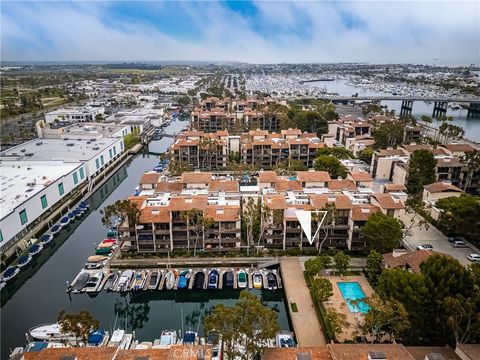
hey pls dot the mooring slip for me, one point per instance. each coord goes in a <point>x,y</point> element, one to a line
<point>306,326</point>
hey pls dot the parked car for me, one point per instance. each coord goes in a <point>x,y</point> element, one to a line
<point>454,238</point>
<point>425,247</point>
<point>459,244</point>
<point>474,257</point>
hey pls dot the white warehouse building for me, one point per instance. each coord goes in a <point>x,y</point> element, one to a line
<point>74,114</point>
<point>30,188</point>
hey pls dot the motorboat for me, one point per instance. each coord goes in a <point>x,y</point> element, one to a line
<point>167,339</point>
<point>24,260</point>
<point>284,338</point>
<point>10,273</point>
<point>108,241</point>
<point>170,279</point>
<point>51,332</point>
<point>139,280</point>
<point>111,233</point>
<point>104,248</point>
<point>35,249</point>
<point>98,338</point>
<point>154,280</point>
<point>125,280</point>
<point>242,279</point>
<point>71,215</point>
<point>228,279</point>
<point>78,213</point>
<point>55,229</point>
<point>120,340</point>
<point>83,204</point>
<point>65,221</point>
<point>80,282</point>
<point>110,282</point>
<point>80,210</point>
<point>199,280</point>
<point>213,279</point>
<point>190,338</point>
<point>183,279</point>
<point>46,238</point>
<point>96,262</point>
<point>94,283</point>
<point>214,340</point>
<point>272,281</point>
<point>257,280</point>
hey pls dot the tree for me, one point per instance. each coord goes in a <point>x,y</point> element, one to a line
<point>385,318</point>
<point>79,325</point>
<point>330,164</point>
<point>197,223</point>
<point>459,216</point>
<point>121,211</point>
<point>388,133</point>
<point>471,160</point>
<point>421,170</point>
<point>248,325</point>
<point>337,152</point>
<point>366,155</point>
<point>463,317</point>
<point>321,289</point>
<point>374,265</point>
<point>250,221</point>
<point>342,261</point>
<point>313,266</point>
<point>382,232</point>
<point>371,109</point>
<point>337,321</point>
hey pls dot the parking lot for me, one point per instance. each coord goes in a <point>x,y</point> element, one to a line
<point>420,235</point>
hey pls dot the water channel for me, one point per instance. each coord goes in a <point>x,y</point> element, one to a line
<point>471,126</point>
<point>37,294</point>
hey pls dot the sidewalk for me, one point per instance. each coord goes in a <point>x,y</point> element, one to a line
<point>306,326</point>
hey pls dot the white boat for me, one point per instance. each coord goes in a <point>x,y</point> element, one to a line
<point>51,332</point>
<point>154,279</point>
<point>10,273</point>
<point>125,280</point>
<point>139,280</point>
<point>257,280</point>
<point>79,283</point>
<point>120,340</point>
<point>94,283</point>
<point>170,279</point>
<point>167,339</point>
<point>242,279</point>
<point>24,260</point>
<point>284,338</point>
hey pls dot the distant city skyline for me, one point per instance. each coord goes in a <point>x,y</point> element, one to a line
<point>427,32</point>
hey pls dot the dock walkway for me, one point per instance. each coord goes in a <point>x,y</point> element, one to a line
<point>306,325</point>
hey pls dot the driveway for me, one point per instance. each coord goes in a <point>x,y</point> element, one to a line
<point>419,235</point>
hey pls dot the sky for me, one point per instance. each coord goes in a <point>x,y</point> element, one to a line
<point>442,32</point>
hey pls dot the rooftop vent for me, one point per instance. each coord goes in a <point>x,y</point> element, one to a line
<point>434,356</point>
<point>377,355</point>
<point>304,356</point>
<point>23,150</point>
<point>70,144</point>
<point>96,148</point>
<point>38,143</point>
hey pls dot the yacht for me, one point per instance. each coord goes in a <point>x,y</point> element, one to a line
<point>199,280</point>
<point>94,283</point>
<point>242,279</point>
<point>257,280</point>
<point>46,238</point>
<point>153,281</point>
<point>190,338</point>
<point>228,279</point>
<point>110,282</point>
<point>24,260</point>
<point>139,281</point>
<point>213,279</point>
<point>167,339</point>
<point>170,279</point>
<point>125,280</point>
<point>64,221</point>
<point>10,273</point>
<point>183,279</point>
<point>35,249</point>
<point>55,229</point>
<point>272,281</point>
<point>51,332</point>
<point>80,282</point>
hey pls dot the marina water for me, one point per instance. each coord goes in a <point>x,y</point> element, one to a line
<point>37,294</point>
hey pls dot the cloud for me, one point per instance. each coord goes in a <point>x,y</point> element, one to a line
<point>266,32</point>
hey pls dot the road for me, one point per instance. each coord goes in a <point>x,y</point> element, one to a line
<point>419,235</point>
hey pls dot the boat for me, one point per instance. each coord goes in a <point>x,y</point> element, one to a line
<point>78,213</point>
<point>98,338</point>
<point>183,279</point>
<point>55,229</point>
<point>107,241</point>
<point>284,338</point>
<point>272,281</point>
<point>80,282</point>
<point>46,238</point>
<point>94,283</point>
<point>80,210</point>
<point>215,341</point>
<point>139,281</point>
<point>111,233</point>
<point>51,332</point>
<point>120,340</point>
<point>10,273</point>
<point>257,280</point>
<point>213,279</point>
<point>72,216</point>
<point>35,249</point>
<point>170,279</point>
<point>228,279</point>
<point>24,260</point>
<point>64,221</point>
<point>104,248</point>
<point>154,280</point>
<point>242,279</point>
<point>199,280</point>
<point>125,280</point>
<point>110,282</point>
<point>190,338</point>
<point>167,339</point>
<point>83,204</point>
<point>96,258</point>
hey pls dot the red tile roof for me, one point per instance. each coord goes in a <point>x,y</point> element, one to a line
<point>388,201</point>
<point>196,177</point>
<point>360,351</point>
<point>150,178</point>
<point>410,260</point>
<point>313,176</point>
<point>224,186</point>
<point>442,187</point>
<point>267,177</point>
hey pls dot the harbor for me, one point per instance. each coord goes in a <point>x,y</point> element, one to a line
<point>37,293</point>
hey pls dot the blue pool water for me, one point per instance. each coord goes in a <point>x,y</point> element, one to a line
<point>353,291</point>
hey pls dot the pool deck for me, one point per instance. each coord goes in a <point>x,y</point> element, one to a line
<point>306,326</point>
<point>338,303</point>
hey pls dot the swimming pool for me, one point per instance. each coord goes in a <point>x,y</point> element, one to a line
<point>353,291</point>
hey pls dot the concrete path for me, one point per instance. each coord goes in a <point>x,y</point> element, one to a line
<point>306,325</point>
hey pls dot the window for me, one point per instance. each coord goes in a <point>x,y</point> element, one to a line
<point>114,150</point>
<point>75,178</point>
<point>101,159</point>
<point>23,217</point>
<point>121,145</point>
<point>82,173</point>
<point>1,236</point>
<point>61,190</point>
<point>110,153</point>
<point>44,202</point>
<point>97,163</point>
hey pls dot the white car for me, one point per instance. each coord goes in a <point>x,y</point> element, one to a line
<point>425,247</point>
<point>474,257</point>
